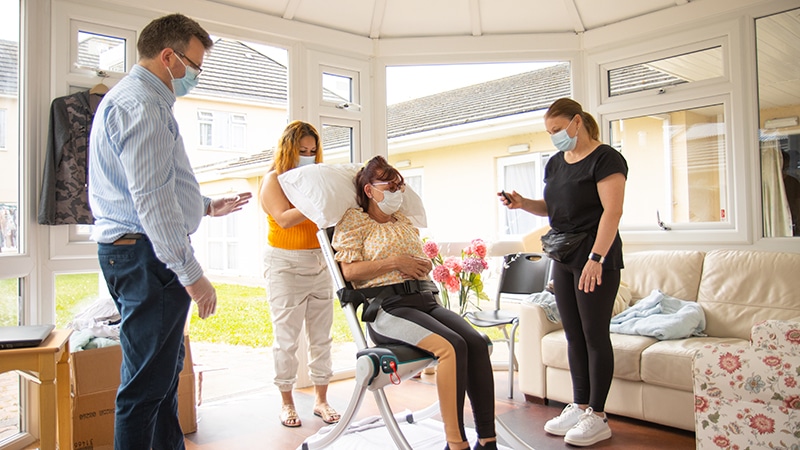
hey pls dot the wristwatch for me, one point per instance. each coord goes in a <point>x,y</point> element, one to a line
<point>596,258</point>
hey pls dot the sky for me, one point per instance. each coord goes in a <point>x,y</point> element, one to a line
<point>9,20</point>
<point>405,83</point>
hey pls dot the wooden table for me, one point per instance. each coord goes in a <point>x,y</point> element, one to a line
<point>48,366</point>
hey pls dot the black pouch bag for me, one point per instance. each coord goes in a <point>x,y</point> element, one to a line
<point>559,246</point>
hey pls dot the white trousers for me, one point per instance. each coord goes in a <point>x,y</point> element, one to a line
<point>300,291</point>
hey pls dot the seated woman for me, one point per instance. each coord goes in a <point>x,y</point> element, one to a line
<point>377,246</point>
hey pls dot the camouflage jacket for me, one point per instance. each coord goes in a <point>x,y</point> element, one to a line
<point>64,196</point>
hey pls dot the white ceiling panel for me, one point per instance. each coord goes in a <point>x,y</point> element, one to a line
<point>351,16</point>
<point>598,13</point>
<point>271,7</point>
<point>513,16</point>
<point>419,18</point>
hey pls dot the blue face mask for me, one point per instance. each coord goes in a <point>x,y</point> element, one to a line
<point>307,160</point>
<point>562,141</point>
<point>182,86</point>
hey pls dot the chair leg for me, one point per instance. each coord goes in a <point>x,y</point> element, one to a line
<point>388,419</point>
<point>512,359</point>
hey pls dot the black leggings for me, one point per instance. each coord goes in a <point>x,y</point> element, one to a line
<point>586,318</point>
<point>463,354</point>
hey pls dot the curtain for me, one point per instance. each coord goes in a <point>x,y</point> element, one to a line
<point>776,215</point>
<point>523,178</point>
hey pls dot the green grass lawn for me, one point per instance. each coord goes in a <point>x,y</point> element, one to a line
<point>242,317</point>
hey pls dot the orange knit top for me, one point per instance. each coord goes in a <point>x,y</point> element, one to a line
<point>302,236</point>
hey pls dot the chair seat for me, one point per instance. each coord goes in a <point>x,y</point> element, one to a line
<point>491,318</point>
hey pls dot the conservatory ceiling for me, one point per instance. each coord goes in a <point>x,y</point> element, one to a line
<point>387,19</point>
<point>381,19</point>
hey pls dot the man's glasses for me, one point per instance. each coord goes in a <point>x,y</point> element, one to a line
<point>195,66</point>
<point>393,186</point>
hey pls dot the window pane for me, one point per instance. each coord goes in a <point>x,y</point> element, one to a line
<point>677,166</point>
<point>9,129</point>
<point>337,88</point>
<point>10,419</point>
<point>75,293</point>
<point>233,260</point>
<point>215,260</point>
<point>101,52</point>
<point>3,128</point>
<point>460,123</point>
<point>337,144</point>
<point>527,178</point>
<point>9,398</point>
<point>659,74</point>
<point>779,108</point>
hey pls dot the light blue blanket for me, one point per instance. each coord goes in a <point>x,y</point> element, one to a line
<point>662,317</point>
<point>547,301</point>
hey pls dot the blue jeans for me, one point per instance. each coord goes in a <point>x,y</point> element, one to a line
<point>154,306</point>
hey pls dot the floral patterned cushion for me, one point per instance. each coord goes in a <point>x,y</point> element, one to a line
<point>749,397</point>
<point>776,335</point>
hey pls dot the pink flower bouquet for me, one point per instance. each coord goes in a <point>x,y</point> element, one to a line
<point>459,275</point>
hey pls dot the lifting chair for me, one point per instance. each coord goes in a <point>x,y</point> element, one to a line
<point>523,273</point>
<point>379,366</point>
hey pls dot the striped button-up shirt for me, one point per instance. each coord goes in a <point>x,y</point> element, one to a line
<point>140,178</point>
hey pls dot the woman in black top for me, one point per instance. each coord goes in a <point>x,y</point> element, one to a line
<point>584,191</point>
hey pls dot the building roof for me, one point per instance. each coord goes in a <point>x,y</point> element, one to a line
<point>9,79</point>
<point>236,71</point>
<point>517,94</point>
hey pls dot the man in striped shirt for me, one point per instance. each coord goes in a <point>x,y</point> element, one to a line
<point>146,202</point>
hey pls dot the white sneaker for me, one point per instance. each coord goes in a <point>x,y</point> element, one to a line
<point>590,429</point>
<point>562,423</point>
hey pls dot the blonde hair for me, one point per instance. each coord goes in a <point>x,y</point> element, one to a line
<point>569,108</point>
<point>287,155</point>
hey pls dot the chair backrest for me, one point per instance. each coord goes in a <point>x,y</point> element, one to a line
<point>523,273</point>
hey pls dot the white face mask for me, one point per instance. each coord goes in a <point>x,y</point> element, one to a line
<point>391,202</point>
<point>306,160</point>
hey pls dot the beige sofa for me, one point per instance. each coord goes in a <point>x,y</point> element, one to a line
<point>652,378</point>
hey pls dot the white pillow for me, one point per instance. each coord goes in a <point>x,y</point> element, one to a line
<point>323,192</point>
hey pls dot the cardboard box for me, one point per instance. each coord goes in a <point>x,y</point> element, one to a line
<point>95,379</point>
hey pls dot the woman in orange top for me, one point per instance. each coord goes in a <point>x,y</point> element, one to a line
<point>298,285</point>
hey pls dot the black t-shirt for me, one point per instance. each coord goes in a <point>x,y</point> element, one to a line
<point>573,203</point>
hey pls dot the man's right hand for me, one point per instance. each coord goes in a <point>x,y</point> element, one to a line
<point>205,295</point>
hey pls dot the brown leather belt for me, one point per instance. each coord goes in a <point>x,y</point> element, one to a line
<point>129,238</point>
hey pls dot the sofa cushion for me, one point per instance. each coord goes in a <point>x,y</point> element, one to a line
<point>627,353</point>
<point>676,273</point>
<point>669,363</point>
<point>741,287</point>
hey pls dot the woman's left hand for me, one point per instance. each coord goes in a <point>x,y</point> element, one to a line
<point>414,267</point>
<point>591,276</point>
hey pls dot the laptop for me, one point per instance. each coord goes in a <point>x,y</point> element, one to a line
<point>24,336</point>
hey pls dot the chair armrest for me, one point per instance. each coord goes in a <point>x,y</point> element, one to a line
<point>782,335</point>
<point>746,374</point>
<point>533,326</point>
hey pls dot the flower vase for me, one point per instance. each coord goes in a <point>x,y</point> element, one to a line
<point>464,296</point>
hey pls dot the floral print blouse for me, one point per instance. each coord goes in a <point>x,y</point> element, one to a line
<point>360,238</point>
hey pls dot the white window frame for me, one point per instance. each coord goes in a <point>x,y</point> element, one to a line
<point>224,238</point>
<point>660,55</point>
<point>533,157</point>
<point>205,118</point>
<point>3,129</point>
<point>719,90</point>
<point>237,124</point>
<point>356,114</point>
